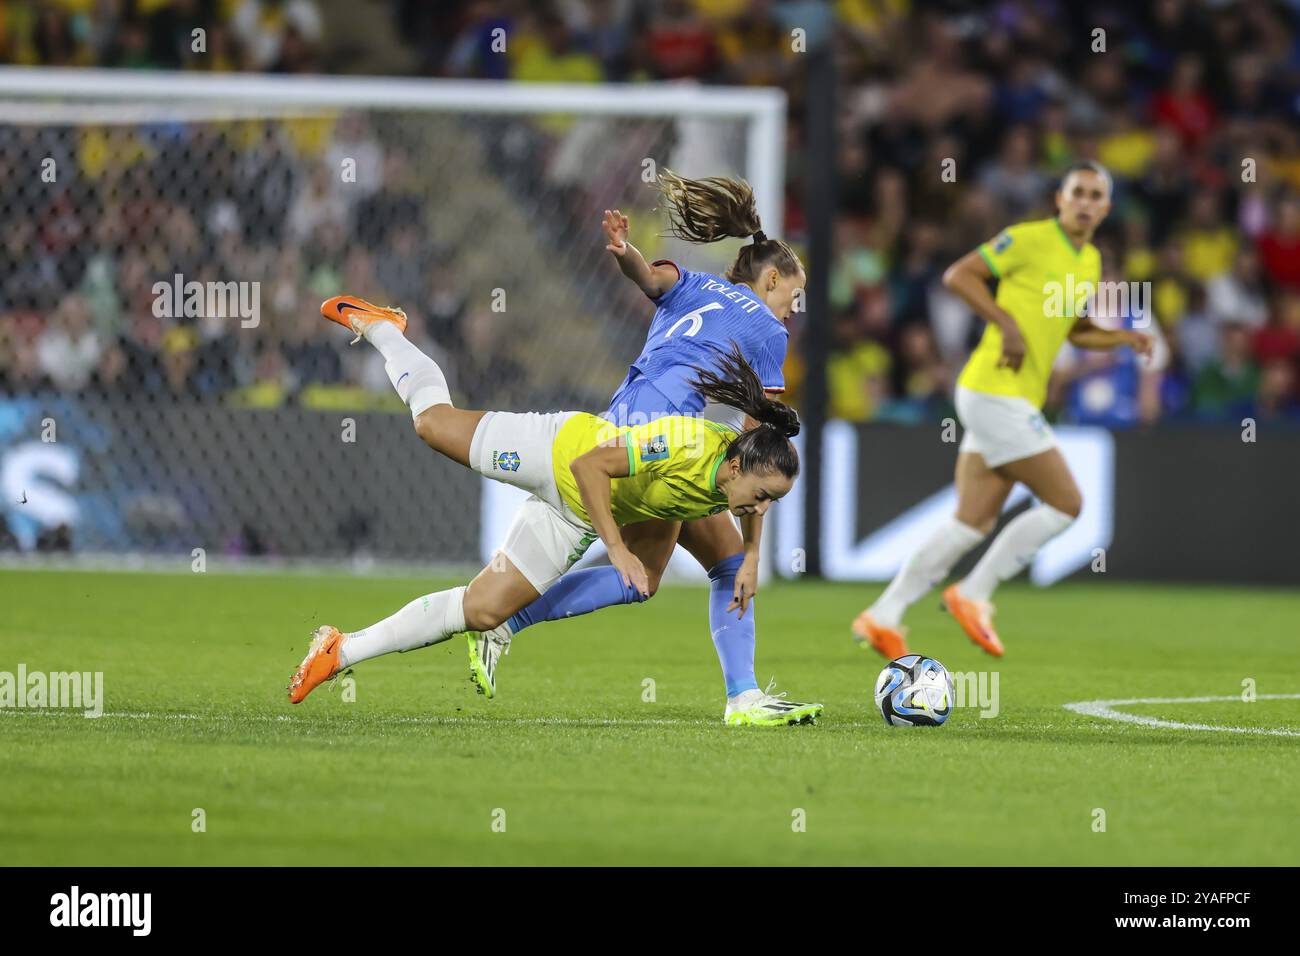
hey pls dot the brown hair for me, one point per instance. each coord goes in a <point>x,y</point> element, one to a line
<point>707,210</point>
<point>767,447</point>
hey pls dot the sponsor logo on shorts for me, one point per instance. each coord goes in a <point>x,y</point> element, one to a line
<point>1037,423</point>
<point>580,549</point>
<point>656,449</point>
<point>505,460</point>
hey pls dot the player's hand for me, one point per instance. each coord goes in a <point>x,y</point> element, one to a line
<point>633,571</point>
<point>1013,349</point>
<point>746,586</point>
<point>615,224</point>
<point>1141,343</point>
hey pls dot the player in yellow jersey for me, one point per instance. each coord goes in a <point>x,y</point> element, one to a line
<point>587,477</point>
<point>1046,273</point>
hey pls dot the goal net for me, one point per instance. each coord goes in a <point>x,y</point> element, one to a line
<point>166,381</point>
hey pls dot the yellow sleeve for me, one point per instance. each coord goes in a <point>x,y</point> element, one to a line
<point>1006,252</point>
<point>665,445</point>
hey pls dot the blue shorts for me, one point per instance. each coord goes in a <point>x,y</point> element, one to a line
<point>640,402</point>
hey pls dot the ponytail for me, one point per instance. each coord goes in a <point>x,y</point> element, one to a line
<point>767,447</point>
<point>715,208</point>
<point>706,210</point>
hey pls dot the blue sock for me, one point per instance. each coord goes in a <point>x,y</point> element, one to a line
<point>578,592</point>
<point>733,638</point>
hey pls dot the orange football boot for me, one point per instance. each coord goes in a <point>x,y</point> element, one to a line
<point>886,640</point>
<point>356,315</point>
<point>975,618</point>
<point>320,664</point>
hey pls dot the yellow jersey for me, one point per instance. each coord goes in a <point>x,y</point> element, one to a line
<point>672,462</point>
<point>1044,284</point>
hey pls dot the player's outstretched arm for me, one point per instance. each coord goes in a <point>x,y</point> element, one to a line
<point>592,473</point>
<point>654,281</point>
<point>751,529</point>
<point>1085,335</point>
<point>968,277</point>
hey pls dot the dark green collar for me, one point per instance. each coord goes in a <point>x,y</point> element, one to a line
<point>713,475</point>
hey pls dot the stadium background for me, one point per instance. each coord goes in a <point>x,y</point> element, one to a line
<point>187,432</point>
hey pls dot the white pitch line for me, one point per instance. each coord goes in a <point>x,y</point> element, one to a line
<point>1105,709</point>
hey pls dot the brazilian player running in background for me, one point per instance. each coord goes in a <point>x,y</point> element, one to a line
<point>1046,273</point>
<point>698,317</point>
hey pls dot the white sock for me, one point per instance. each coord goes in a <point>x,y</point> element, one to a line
<point>923,569</point>
<point>417,378</point>
<point>426,620</point>
<point>1013,550</point>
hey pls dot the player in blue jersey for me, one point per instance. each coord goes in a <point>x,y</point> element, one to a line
<point>698,317</point>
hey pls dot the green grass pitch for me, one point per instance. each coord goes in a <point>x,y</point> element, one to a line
<point>582,770</point>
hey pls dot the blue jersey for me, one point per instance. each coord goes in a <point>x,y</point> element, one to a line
<point>1108,396</point>
<point>700,314</point>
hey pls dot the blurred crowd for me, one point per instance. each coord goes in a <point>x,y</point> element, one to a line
<point>955,120</point>
<point>1192,106</point>
<point>273,36</point>
<point>96,294</point>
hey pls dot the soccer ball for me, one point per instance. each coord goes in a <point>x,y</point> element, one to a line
<point>914,691</point>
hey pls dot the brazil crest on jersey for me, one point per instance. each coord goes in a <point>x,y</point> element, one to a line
<point>672,463</point>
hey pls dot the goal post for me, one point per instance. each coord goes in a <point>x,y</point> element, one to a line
<point>474,204</point>
<point>761,109</point>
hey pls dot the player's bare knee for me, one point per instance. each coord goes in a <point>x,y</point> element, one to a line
<point>481,618</point>
<point>432,427</point>
<point>1071,505</point>
<point>426,426</point>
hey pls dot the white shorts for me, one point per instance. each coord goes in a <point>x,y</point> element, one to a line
<point>1002,428</point>
<point>547,537</point>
